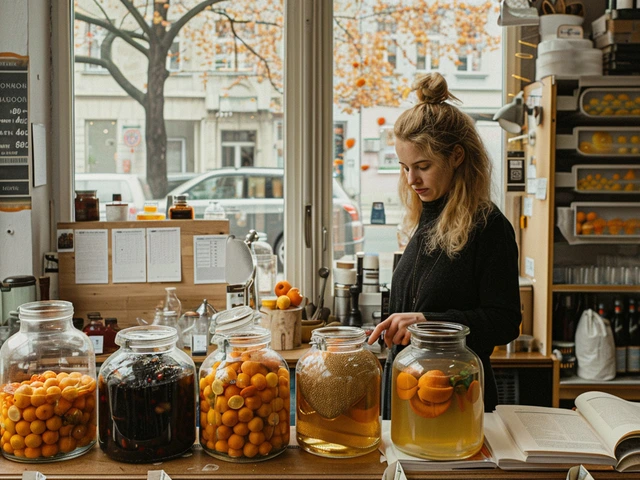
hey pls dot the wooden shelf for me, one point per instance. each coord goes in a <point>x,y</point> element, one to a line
<point>596,288</point>
<point>625,387</point>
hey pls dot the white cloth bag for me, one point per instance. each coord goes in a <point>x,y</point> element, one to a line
<point>595,348</point>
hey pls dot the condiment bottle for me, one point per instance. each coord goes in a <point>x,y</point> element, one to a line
<point>147,402</point>
<point>95,330</point>
<point>437,407</point>
<point>244,382</point>
<point>87,206</point>
<point>214,211</point>
<point>48,387</point>
<point>181,210</point>
<point>338,394</point>
<point>116,210</point>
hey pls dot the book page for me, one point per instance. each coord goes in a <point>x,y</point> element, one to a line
<point>552,432</point>
<point>612,417</point>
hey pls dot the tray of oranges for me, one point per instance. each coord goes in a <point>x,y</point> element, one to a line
<point>614,220</point>
<point>610,102</point>
<point>616,179</point>
<point>602,141</point>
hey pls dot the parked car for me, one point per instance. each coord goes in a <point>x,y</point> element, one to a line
<point>133,189</point>
<point>253,198</point>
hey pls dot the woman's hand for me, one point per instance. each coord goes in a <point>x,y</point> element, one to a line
<point>396,327</point>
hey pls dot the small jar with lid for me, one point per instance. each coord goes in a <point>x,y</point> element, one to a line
<point>437,407</point>
<point>244,398</point>
<point>181,210</point>
<point>87,206</point>
<point>147,403</point>
<point>117,210</point>
<point>338,394</point>
<point>47,387</point>
<point>150,211</point>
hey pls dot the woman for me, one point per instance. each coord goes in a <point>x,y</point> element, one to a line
<point>461,264</point>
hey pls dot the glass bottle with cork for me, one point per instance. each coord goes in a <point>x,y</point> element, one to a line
<point>95,330</point>
<point>181,210</point>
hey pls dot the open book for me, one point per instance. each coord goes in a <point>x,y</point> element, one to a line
<point>604,430</point>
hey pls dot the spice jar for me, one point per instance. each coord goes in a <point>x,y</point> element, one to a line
<point>437,407</point>
<point>147,403</point>
<point>244,398</point>
<point>181,210</point>
<point>87,206</point>
<point>338,394</point>
<point>47,387</point>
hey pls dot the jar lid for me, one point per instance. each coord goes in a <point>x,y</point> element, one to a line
<point>439,329</point>
<point>147,337</point>
<point>86,192</point>
<point>46,310</point>
<point>339,334</point>
<point>233,319</point>
<point>19,281</point>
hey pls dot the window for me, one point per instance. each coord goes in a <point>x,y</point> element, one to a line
<point>94,37</point>
<point>173,59</point>
<point>238,148</point>
<point>100,153</point>
<point>228,89</point>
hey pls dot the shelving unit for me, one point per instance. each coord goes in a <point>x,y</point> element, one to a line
<point>555,146</point>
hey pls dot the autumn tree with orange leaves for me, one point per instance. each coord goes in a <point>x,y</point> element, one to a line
<point>250,34</point>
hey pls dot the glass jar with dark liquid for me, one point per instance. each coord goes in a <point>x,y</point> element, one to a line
<point>147,397</point>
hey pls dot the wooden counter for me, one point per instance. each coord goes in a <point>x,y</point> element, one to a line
<point>292,464</point>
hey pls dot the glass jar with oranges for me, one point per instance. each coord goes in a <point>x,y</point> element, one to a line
<point>47,386</point>
<point>244,398</point>
<point>338,394</point>
<point>437,407</point>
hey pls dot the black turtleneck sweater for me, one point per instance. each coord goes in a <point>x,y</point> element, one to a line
<point>478,288</point>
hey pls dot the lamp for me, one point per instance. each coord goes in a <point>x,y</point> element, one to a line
<point>511,116</point>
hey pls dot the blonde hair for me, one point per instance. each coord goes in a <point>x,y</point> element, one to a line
<point>436,127</point>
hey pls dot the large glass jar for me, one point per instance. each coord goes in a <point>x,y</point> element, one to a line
<point>47,386</point>
<point>87,206</point>
<point>147,397</point>
<point>437,403</point>
<point>244,398</point>
<point>338,394</point>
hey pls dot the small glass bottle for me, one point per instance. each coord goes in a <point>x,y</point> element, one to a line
<point>171,301</point>
<point>437,406</point>
<point>338,394</point>
<point>117,210</point>
<point>244,382</point>
<point>95,330</point>
<point>214,211</point>
<point>147,397</point>
<point>110,332</point>
<point>181,210</point>
<point>87,206</point>
<point>47,387</point>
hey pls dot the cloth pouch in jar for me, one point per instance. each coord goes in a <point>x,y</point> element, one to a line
<point>595,347</point>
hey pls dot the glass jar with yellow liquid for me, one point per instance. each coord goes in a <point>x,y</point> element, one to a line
<point>338,394</point>
<point>437,407</point>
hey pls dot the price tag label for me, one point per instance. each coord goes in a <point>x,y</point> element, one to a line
<point>198,344</point>
<point>98,344</point>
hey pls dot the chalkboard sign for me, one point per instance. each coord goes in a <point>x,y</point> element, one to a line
<point>14,126</point>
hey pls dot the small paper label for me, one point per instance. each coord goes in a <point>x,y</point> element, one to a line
<point>528,207</point>
<point>198,344</point>
<point>529,266</point>
<point>98,343</point>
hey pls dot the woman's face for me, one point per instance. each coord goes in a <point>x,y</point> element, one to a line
<point>429,177</point>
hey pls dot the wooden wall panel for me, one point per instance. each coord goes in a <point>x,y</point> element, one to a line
<point>127,301</point>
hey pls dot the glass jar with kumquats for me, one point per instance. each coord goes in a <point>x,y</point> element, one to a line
<point>47,387</point>
<point>147,397</point>
<point>244,398</point>
<point>437,407</point>
<point>338,394</point>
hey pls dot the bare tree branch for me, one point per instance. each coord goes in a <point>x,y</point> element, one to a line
<point>127,36</point>
<point>175,27</point>
<point>138,17</point>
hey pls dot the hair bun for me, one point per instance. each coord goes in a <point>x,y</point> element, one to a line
<point>432,89</point>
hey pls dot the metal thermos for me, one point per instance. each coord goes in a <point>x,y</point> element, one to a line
<point>343,279</point>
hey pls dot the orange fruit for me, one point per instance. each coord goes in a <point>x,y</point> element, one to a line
<point>581,217</point>
<point>282,287</point>
<point>428,410</point>
<point>295,296</point>
<point>434,378</point>
<point>435,394</point>
<point>591,216</point>
<point>283,302</point>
